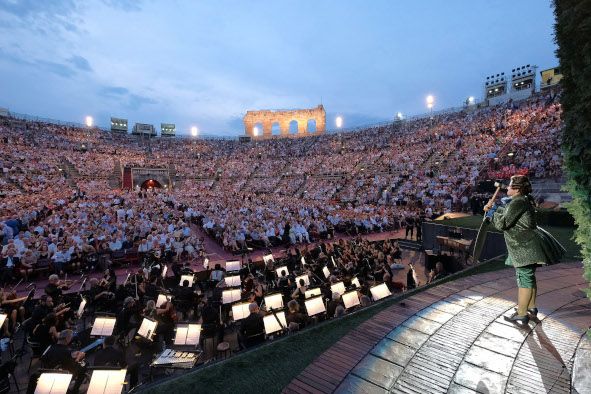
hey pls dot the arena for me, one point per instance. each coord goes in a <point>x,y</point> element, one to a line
<point>300,259</point>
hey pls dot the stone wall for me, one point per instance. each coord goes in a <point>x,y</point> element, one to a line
<point>267,118</point>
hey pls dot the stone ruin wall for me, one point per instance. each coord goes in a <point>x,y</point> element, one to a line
<point>267,118</point>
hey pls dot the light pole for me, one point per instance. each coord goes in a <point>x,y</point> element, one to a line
<point>430,103</point>
<point>339,122</point>
<point>194,131</point>
<point>88,121</point>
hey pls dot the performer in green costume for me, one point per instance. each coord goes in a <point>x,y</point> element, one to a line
<point>528,245</point>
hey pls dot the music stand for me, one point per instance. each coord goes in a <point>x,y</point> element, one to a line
<point>313,292</point>
<point>232,281</point>
<point>107,381</point>
<point>338,287</point>
<point>280,269</point>
<point>351,299</point>
<point>80,309</point>
<point>53,383</point>
<point>147,328</point>
<point>233,265</point>
<point>240,311</point>
<point>190,278</point>
<point>103,326</point>
<point>380,291</point>
<point>3,317</point>
<point>305,278</point>
<point>268,258</point>
<point>231,295</point>
<point>162,298</point>
<point>164,271</point>
<point>271,323</point>
<point>355,281</point>
<point>187,334</point>
<point>274,301</point>
<point>326,272</point>
<point>314,306</point>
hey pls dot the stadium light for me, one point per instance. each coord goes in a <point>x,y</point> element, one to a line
<point>88,121</point>
<point>430,101</point>
<point>399,115</point>
<point>471,99</point>
<point>194,131</point>
<point>255,131</point>
<point>339,121</point>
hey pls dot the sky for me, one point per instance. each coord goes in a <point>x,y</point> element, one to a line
<point>205,63</point>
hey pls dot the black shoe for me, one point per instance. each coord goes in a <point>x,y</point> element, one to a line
<point>515,318</point>
<point>532,312</point>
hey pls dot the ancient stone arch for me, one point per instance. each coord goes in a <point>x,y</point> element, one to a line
<point>284,117</point>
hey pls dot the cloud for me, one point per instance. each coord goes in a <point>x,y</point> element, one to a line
<point>125,5</point>
<point>125,98</point>
<point>80,63</point>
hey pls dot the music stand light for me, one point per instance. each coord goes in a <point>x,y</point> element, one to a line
<point>233,265</point>
<point>271,323</point>
<point>305,278</point>
<point>190,278</point>
<point>326,272</point>
<point>280,269</point>
<point>351,299</point>
<point>103,326</point>
<point>232,281</point>
<point>187,334</point>
<point>240,311</point>
<point>380,291</point>
<point>313,292</point>
<point>314,306</point>
<point>274,301</point>
<point>162,298</point>
<point>231,295</point>
<point>107,381</point>
<point>338,287</point>
<point>53,383</point>
<point>147,328</point>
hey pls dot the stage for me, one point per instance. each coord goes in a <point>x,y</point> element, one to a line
<point>452,338</point>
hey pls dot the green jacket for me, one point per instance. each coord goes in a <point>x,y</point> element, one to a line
<point>526,242</point>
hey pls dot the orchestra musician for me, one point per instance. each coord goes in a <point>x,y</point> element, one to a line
<point>60,354</point>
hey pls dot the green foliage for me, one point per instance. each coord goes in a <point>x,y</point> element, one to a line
<point>573,36</point>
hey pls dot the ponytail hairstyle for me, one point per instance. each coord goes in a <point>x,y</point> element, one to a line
<point>522,183</point>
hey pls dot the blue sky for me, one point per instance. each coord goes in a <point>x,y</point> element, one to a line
<point>206,63</point>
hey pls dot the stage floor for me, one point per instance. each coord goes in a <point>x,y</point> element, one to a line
<point>452,339</point>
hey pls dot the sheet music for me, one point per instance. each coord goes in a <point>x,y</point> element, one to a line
<point>186,277</point>
<point>240,311</point>
<point>162,298</point>
<point>232,281</point>
<point>147,328</point>
<point>303,260</point>
<point>338,287</point>
<point>229,296</point>
<point>233,265</point>
<point>164,271</point>
<point>2,318</point>
<point>305,278</point>
<point>380,291</point>
<point>315,306</point>
<point>80,308</point>
<point>53,383</point>
<point>187,334</point>
<point>103,326</point>
<point>280,269</point>
<point>274,301</point>
<point>326,272</point>
<point>355,281</point>
<point>313,292</point>
<point>351,299</point>
<point>180,338</point>
<point>271,323</point>
<point>268,258</point>
<point>107,381</point>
